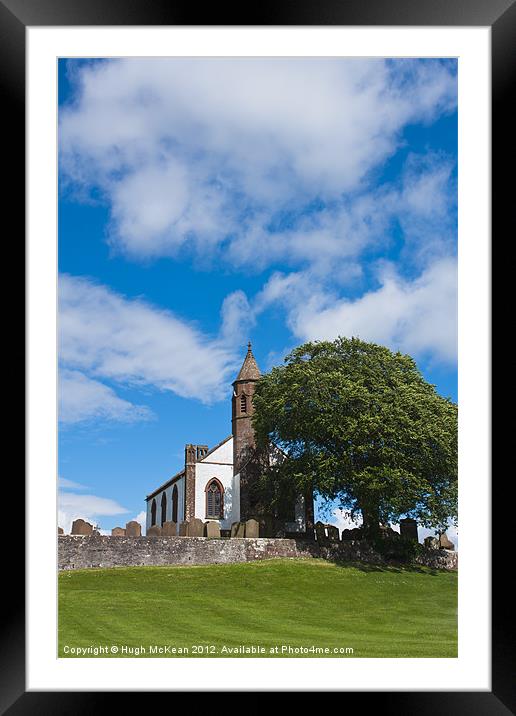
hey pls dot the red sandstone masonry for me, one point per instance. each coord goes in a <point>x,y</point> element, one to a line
<point>81,552</point>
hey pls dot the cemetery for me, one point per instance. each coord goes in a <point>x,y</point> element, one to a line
<point>196,542</point>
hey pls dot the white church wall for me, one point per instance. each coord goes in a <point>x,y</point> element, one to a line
<point>223,454</point>
<point>180,504</point>
<point>217,464</point>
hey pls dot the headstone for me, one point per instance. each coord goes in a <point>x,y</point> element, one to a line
<point>183,529</point>
<point>252,528</point>
<point>445,543</point>
<point>356,533</point>
<point>333,533</point>
<point>408,529</point>
<point>133,529</point>
<point>320,532</point>
<point>212,529</point>
<point>238,529</point>
<point>60,531</point>
<point>154,531</point>
<point>118,532</point>
<point>169,529</point>
<point>387,532</point>
<point>195,528</point>
<point>431,542</point>
<point>81,527</point>
<point>267,525</point>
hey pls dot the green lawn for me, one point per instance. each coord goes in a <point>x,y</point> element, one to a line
<point>378,612</point>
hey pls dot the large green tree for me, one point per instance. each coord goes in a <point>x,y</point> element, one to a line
<point>359,424</point>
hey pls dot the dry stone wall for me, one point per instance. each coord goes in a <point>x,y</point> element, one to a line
<point>85,551</point>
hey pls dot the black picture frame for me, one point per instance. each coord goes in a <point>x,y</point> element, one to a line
<point>500,16</point>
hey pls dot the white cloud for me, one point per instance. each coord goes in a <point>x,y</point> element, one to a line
<point>82,399</point>
<point>207,156</point>
<point>404,313</point>
<point>105,336</point>
<point>416,316</point>
<point>65,484</point>
<point>342,519</point>
<point>91,508</point>
<point>204,151</point>
<point>237,317</point>
<point>331,240</point>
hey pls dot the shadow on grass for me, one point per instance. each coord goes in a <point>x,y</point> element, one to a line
<point>395,568</point>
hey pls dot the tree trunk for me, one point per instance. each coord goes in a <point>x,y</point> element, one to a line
<point>309,513</point>
<point>371,519</point>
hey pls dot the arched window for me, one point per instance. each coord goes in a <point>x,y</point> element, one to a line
<point>243,403</point>
<point>174,504</point>
<point>153,513</point>
<point>214,500</point>
<point>163,508</point>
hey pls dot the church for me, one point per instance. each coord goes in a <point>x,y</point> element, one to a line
<point>215,483</point>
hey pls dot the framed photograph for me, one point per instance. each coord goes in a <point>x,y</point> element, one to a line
<point>258,301</point>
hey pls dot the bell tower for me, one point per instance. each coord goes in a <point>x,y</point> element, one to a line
<point>243,432</point>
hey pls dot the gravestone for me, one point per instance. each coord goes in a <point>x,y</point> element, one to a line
<point>81,527</point>
<point>356,533</point>
<point>333,533</point>
<point>431,542</point>
<point>154,531</point>
<point>133,529</point>
<point>169,528</point>
<point>408,529</point>
<point>252,528</point>
<point>267,525</point>
<point>195,528</point>
<point>387,532</point>
<point>183,529</point>
<point>320,532</point>
<point>238,529</point>
<point>60,531</point>
<point>118,532</point>
<point>212,530</point>
<point>444,542</point>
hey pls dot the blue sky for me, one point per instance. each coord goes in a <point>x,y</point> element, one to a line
<point>206,202</point>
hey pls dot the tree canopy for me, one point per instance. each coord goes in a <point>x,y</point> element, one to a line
<point>359,424</point>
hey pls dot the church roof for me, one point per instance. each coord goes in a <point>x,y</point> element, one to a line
<point>249,369</point>
<point>166,484</point>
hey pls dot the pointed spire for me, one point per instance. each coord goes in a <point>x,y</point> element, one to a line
<point>249,369</point>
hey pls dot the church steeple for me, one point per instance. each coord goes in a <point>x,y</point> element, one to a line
<point>249,369</point>
<point>242,410</point>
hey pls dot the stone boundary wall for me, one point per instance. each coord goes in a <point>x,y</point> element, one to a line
<point>85,551</point>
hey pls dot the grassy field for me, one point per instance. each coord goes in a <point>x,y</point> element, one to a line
<point>377,612</point>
